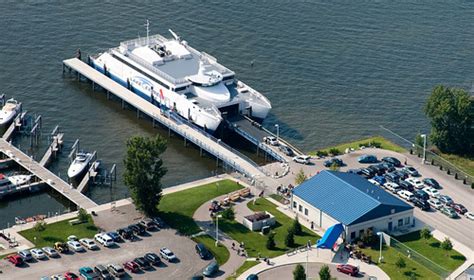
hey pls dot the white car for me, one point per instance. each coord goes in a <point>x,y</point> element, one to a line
<point>374,182</point>
<point>270,140</point>
<point>407,195</point>
<point>72,238</point>
<point>167,254</point>
<point>303,159</point>
<point>57,277</point>
<point>393,187</point>
<point>417,183</point>
<point>104,239</point>
<point>75,246</point>
<point>469,215</point>
<point>435,203</point>
<point>432,192</point>
<point>50,251</point>
<point>38,254</point>
<point>88,243</point>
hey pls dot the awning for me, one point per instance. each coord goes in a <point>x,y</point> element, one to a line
<point>330,237</point>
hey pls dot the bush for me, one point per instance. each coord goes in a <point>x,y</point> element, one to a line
<point>322,153</point>
<point>368,237</point>
<point>425,233</point>
<point>290,238</point>
<point>325,273</point>
<point>447,244</point>
<point>296,228</point>
<point>82,215</point>
<point>40,226</point>
<point>401,262</point>
<point>228,213</point>
<point>299,273</point>
<point>334,151</point>
<point>271,241</point>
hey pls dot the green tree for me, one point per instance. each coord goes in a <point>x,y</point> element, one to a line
<point>425,233</point>
<point>296,227</point>
<point>447,244</point>
<point>290,238</point>
<point>228,213</point>
<point>143,172</point>
<point>299,273</point>
<point>452,118</point>
<point>325,273</point>
<point>300,177</point>
<point>82,215</point>
<point>271,241</point>
<point>400,263</point>
<point>334,167</point>
<point>40,226</point>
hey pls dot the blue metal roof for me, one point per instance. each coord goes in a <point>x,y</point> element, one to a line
<point>348,198</point>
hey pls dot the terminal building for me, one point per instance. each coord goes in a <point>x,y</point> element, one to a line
<point>330,198</point>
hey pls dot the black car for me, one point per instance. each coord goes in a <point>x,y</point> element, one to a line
<point>159,222</point>
<point>149,224</point>
<point>389,167</point>
<point>420,194</point>
<point>153,258</point>
<point>422,204</point>
<point>430,182</point>
<point>203,252</point>
<point>115,236</point>
<point>334,161</point>
<point>142,262</point>
<point>392,177</point>
<point>286,150</point>
<point>406,186</point>
<point>367,173</point>
<point>403,174</point>
<point>392,160</point>
<point>378,170</point>
<point>355,171</point>
<point>126,233</point>
<point>137,229</point>
<point>103,272</point>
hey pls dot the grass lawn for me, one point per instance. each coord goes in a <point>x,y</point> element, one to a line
<point>466,164</point>
<point>59,232</point>
<point>220,252</point>
<point>431,249</point>
<point>177,209</point>
<point>246,266</point>
<point>255,243</point>
<point>385,144</point>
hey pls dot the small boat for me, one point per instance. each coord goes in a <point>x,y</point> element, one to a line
<point>79,164</point>
<point>9,111</point>
<point>19,180</point>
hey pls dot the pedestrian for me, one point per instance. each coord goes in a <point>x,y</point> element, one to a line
<point>238,252</point>
<point>233,245</point>
<point>312,225</point>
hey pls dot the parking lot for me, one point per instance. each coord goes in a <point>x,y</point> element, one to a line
<point>187,265</point>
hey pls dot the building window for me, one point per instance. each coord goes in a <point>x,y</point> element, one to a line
<point>294,204</point>
<point>353,235</point>
<point>407,220</point>
<point>306,211</point>
<point>300,208</point>
<point>361,233</point>
<point>400,222</point>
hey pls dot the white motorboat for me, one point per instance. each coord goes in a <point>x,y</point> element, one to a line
<point>9,111</point>
<point>79,164</point>
<point>19,180</point>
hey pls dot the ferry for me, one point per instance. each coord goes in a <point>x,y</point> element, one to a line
<point>177,78</point>
<point>79,164</point>
<point>9,111</point>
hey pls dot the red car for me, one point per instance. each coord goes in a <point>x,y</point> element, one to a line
<point>459,208</point>
<point>15,259</point>
<point>348,269</point>
<point>132,266</point>
<point>70,276</point>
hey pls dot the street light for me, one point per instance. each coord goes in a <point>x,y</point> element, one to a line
<point>217,229</point>
<point>278,131</point>
<point>380,234</point>
<point>424,148</point>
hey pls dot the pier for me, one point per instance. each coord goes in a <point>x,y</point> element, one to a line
<point>201,139</point>
<point>56,143</point>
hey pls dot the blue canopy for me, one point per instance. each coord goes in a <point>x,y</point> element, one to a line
<point>330,237</point>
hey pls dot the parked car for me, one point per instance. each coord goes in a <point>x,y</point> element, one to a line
<point>422,204</point>
<point>459,208</point>
<point>70,276</point>
<point>137,229</point>
<point>15,259</point>
<point>57,277</point>
<point>355,171</point>
<point>131,266</point>
<point>393,187</point>
<point>333,161</point>
<point>88,243</point>
<point>75,246</point>
<point>432,192</point>
<point>115,236</point>
<point>142,262</point>
<point>72,238</point>
<point>252,277</point>
<point>211,269</point>
<point>408,196</point>
<point>88,274</point>
<point>379,179</point>
<point>436,204</point>
<point>26,255</point>
<point>417,183</point>
<point>367,159</point>
<point>430,182</point>
<point>149,224</point>
<point>126,233</point>
<point>374,182</point>
<point>116,270</point>
<point>420,194</point>
<point>167,254</point>
<point>103,272</point>
<point>411,171</point>
<point>50,252</point>
<point>449,211</point>
<point>104,239</point>
<point>469,215</point>
<point>403,174</point>
<point>38,254</point>
<point>377,169</point>
<point>389,167</point>
<point>367,173</point>
<point>286,150</point>
<point>445,199</point>
<point>203,252</point>
<point>348,269</point>
<point>270,140</point>
<point>61,247</point>
<point>392,177</point>
<point>392,160</point>
<point>153,258</point>
<point>303,159</point>
<point>406,186</point>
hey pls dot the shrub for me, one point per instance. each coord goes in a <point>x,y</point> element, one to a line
<point>447,244</point>
<point>368,237</point>
<point>299,273</point>
<point>325,273</point>
<point>425,233</point>
<point>300,177</point>
<point>82,215</point>
<point>271,241</point>
<point>228,213</point>
<point>290,238</point>
<point>322,153</point>
<point>334,151</point>
<point>40,226</point>
<point>400,262</point>
<point>296,228</point>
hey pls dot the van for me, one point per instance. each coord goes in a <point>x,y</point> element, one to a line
<point>407,195</point>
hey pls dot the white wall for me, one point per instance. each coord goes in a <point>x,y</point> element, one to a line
<point>319,218</point>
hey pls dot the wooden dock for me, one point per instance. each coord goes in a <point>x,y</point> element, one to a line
<point>215,148</point>
<point>53,149</point>
<point>14,125</point>
<point>91,174</point>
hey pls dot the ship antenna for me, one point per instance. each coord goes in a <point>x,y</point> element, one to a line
<point>147,25</point>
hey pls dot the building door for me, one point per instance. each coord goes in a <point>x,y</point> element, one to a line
<point>390,226</point>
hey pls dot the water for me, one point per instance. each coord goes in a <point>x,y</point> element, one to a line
<point>334,71</point>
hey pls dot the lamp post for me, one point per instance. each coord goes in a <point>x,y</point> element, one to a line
<point>424,148</point>
<point>380,234</point>
<point>278,131</point>
<point>217,229</point>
